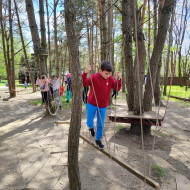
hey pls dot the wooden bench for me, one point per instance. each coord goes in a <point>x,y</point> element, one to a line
<point>148,119</point>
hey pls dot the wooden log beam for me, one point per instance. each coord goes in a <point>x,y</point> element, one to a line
<point>138,174</point>
<point>188,100</point>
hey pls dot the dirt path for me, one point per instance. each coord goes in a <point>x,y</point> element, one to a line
<point>34,150</point>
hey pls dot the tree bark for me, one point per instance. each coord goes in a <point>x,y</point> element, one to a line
<point>35,37</point>
<point>103,33</point>
<point>123,73</point>
<point>180,45</point>
<point>155,20</point>
<point>168,55</point>
<point>96,42</point>
<point>24,48</point>
<point>8,58</point>
<point>109,32</point>
<point>139,64</point>
<point>12,92</point>
<point>3,43</point>
<point>157,94</point>
<point>127,40</point>
<point>43,32</point>
<point>55,37</point>
<point>157,52</point>
<point>49,42</point>
<point>143,14</point>
<point>74,131</point>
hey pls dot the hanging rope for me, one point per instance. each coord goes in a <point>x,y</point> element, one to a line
<point>138,78</point>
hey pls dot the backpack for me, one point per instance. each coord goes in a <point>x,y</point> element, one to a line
<point>43,87</point>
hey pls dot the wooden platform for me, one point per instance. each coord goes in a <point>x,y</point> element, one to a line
<point>148,118</point>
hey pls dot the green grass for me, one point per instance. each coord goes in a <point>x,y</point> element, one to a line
<point>159,171</point>
<point>65,105</point>
<point>178,92</point>
<point>35,102</point>
<point>159,133</point>
<point>119,127</point>
<point>3,83</point>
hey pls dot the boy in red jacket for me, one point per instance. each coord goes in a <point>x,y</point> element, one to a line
<point>102,82</point>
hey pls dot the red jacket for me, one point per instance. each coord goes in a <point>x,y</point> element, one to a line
<point>102,88</point>
<point>61,91</point>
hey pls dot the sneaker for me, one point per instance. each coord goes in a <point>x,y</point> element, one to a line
<point>92,132</point>
<point>99,144</point>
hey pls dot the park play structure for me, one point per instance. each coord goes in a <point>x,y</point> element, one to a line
<point>140,120</point>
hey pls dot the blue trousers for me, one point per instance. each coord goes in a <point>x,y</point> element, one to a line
<point>91,111</point>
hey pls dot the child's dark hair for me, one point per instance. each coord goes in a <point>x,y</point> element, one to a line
<point>106,66</point>
<point>43,77</point>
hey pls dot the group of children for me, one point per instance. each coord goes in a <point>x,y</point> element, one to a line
<point>52,89</point>
<point>100,84</point>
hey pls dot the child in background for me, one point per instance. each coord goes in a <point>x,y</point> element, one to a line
<point>103,82</point>
<point>25,84</point>
<point>69,89</point>
<point>61,90</point>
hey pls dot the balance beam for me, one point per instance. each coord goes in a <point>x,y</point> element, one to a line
<point>138,174</point>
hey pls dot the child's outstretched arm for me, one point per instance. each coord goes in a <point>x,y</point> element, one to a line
<point>86,81</point>
<point>117,81</point>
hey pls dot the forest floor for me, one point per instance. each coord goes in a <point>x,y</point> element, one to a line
<point>34,150</point>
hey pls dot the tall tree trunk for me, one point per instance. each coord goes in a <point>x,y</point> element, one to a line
<point>180,45</point>
<point>112,45</point>
<point>157,52</point>
<point>24,48</point>
<point>65,60</point>
<point>74,131</point>
<point>12,92</point>
<point>155,20</point>
<point>109,32</point>
<point>96,42</point>
<point>143,14</point>
<point>3,43</point>
<point>103,33</point>
<point>92,43</point>
<point>49,42</point>
<point>172,62</point>
<point>43,32</point>
<point>8,58</point>
<point>157,94</point>
<point>127,40</point>
<point>140,59</point>
<point>123,74</point>
<point>35,37</point>
<point>61,61</point>
<point>149,30</point>
<point>55,37</point>
<point>109,42</point>
<point>168,55</point>
<point>88,39</point>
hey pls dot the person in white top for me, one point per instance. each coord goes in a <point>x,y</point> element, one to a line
<point>56,82</point>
